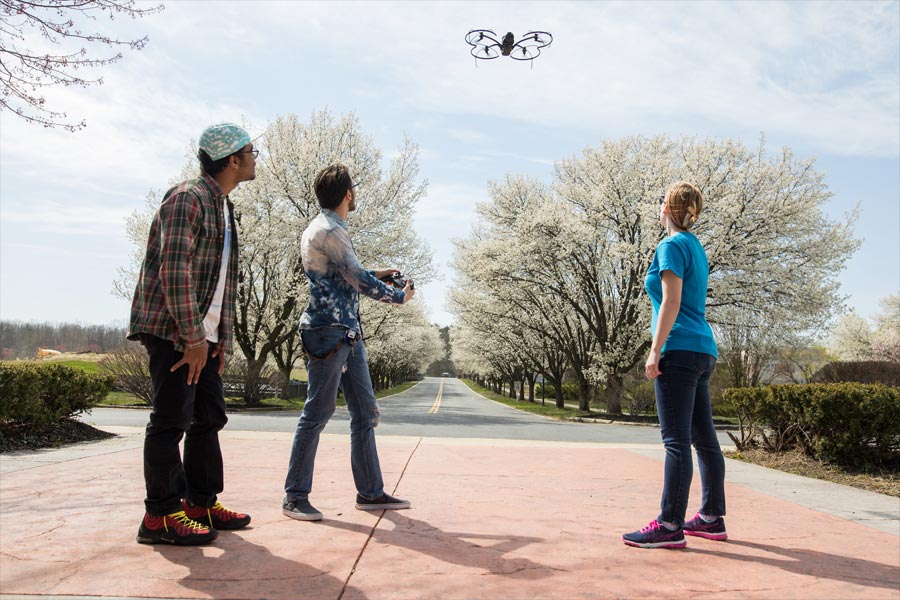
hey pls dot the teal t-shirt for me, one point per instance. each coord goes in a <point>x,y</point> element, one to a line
<point>683,255</point>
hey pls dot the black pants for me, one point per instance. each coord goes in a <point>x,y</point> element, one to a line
<point>195,412</point>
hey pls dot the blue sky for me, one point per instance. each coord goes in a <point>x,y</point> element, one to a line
<point>821,78</point>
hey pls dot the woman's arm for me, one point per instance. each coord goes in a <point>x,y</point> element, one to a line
<point>668,310</point>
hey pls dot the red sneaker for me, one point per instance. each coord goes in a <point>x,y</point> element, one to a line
<point>175,528</point>
<point>216,516</point>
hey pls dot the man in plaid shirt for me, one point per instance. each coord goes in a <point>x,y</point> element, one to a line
<point>182,313</point>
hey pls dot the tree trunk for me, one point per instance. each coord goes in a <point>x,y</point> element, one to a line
<point>584,393</point>
<point>252,392</point>
<point>615,390</point>
<point>558,397</point>
<point>522,391</point>
<point>530,380</point>
<point>512,388</point>
<point>285,381</point>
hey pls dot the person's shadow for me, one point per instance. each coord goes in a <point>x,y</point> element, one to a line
<point>248,570</point>
<point>813,563</point>
<point>454,546</point>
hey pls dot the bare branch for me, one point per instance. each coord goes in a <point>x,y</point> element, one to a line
<point>25,72</point>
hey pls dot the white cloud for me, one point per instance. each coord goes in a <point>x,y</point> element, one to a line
<point>449,203</point>
<point>68,219</point>
<point>825,75</point>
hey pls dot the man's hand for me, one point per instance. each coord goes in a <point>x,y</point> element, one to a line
<point>410,290</point>
<point>195,359</point>
<point>385,273</point>
<point>217,351</point>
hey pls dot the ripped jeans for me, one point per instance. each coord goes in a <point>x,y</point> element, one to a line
<point>325,376</point>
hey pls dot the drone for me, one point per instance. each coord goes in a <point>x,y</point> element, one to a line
<point>486,47</point>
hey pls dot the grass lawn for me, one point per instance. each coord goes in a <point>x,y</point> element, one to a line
<point>88,366</point>
<point>548,410</point>
<point>121,399</point>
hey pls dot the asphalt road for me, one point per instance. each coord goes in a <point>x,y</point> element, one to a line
<point>436,407</point>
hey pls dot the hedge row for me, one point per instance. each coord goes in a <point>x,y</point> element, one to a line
<point>860,371</point>
<point>38,394</point>
<point>852,424</point>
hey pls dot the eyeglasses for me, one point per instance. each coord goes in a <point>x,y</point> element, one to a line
<point>255,153</point>
<point>662,199</point>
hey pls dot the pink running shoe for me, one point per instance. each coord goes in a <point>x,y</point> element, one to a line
<point>711,531</point>
<point>655,535</point>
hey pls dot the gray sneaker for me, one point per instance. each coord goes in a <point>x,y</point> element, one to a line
<point>382,502</point>
<point>301,510</point>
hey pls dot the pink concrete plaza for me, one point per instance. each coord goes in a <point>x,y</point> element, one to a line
<point>489,519</point>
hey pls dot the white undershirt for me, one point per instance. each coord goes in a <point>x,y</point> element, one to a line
<point>214,315</point>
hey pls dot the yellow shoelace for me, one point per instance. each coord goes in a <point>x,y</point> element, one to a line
<point>218,506</point>
<point>181,517</point>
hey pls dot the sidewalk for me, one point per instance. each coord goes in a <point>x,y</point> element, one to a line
<point>490,519</point>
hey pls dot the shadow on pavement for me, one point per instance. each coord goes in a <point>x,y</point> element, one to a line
<point>455,547</point>
<point>813,563</point>
<point>245,570</point>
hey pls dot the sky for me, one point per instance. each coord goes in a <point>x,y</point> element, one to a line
<point>822,78</point>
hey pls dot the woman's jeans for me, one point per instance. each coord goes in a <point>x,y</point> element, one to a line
<point>325,376</point>
<point>195,412</point>
<point>685,417</point>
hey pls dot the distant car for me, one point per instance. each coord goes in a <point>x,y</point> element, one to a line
<point>445,374</point>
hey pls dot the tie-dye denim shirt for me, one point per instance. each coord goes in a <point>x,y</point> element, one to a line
<point>336,276</point>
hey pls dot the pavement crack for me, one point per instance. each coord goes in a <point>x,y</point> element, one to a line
<point>375,526</point>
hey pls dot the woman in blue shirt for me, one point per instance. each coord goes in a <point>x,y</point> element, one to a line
<point>681,361</point>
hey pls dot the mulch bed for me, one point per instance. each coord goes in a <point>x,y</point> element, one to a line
<point>17,436</point>
<point>882,481</point>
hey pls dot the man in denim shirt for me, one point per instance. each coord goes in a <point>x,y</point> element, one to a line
<point>331,336</point>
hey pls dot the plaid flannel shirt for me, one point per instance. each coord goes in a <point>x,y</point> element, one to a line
<point>181,267</point>
<point>336,276</point>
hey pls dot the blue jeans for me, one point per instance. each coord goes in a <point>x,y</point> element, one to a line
<point>685,417</point>
<point>325,375</point>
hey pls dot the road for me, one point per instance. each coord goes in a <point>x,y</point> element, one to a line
<point>435,407</point>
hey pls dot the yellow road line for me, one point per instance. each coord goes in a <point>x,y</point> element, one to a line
<point>437,401</point>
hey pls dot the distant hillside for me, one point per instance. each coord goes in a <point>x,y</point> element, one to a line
<point>22,340</point>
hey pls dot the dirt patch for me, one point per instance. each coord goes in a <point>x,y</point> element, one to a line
<point>87,356</point>
<point>882,481</point>
<point>15,436</point>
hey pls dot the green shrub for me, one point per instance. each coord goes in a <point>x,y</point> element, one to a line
<point>43,393</point>
<point>640,398</point>
<point>852,424</point>
<point>746,403</point>
<point>861,371</point>
<point>569,391</point>
<point>722,406</point>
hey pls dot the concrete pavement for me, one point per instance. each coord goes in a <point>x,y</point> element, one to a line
<point>489,519</point>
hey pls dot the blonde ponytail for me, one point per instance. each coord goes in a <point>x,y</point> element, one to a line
<point>685,202</point>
